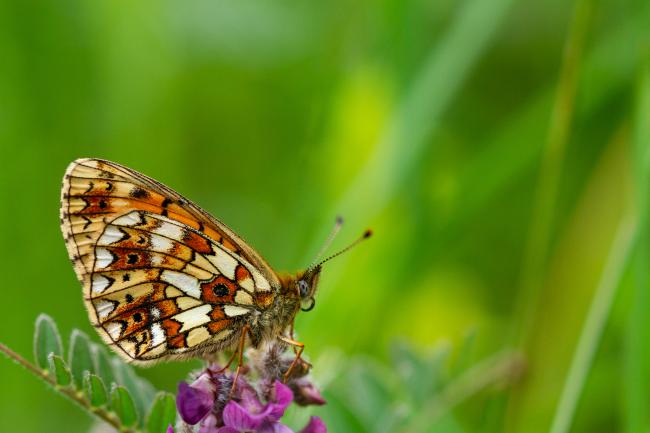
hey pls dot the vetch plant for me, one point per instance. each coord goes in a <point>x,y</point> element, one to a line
<point>417,392</point>
<point>218,401</point>
<point>110,390</point>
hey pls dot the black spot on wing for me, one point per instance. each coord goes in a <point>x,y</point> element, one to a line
<point>138,192</point>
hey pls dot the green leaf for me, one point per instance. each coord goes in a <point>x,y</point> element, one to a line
<point>46,340</point>
<point>103,365</point>
<point>59,370</point>
<point>95,390</point>
<point>80,359</point>
<point>141,390</point>
<point>122,404</point>
<point>162,413</point>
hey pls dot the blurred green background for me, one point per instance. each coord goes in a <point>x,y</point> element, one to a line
<point>498,149</point>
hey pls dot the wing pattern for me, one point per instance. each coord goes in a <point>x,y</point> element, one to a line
<point>161,278</point>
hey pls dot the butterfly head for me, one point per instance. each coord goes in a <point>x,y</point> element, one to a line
<point>306,285</point>
<point>306,282</point>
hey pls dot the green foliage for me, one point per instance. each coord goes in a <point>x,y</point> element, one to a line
<point>79,357</point>
<point>419,391</point>
<point>162,413</point>
<point>81,380</point>
<point>122,404</point>
<point>95,390</point>
<point>493,146</point>
<point>46,340</point>
<point>103,365</point>
<point>59,370</point>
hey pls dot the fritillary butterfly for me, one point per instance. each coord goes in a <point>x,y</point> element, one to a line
<point>163,279</point>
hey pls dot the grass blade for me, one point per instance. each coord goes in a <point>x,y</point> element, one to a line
<point>593,326</point>
<point>417,116</point>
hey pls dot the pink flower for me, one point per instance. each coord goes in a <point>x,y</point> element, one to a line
<point>202,403</point>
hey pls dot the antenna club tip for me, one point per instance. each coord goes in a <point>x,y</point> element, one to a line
<point>339,220</point>
<point>367,234</point>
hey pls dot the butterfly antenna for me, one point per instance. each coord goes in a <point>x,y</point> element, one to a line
<point>328,241</point>
<point>363,237</point>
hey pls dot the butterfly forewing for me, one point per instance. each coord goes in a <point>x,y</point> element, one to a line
<point>162,279</point>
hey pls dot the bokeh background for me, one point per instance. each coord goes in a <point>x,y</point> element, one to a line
<point>498,149</point>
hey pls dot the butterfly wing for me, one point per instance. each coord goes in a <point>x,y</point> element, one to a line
<point>162,278</point>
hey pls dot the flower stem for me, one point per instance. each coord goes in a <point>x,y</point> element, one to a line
<point>71,393</point>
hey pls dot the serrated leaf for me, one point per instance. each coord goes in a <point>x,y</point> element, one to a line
<point>80,359</point>
<point>141,390</point>
<point>46,340</point>
<point>123,406</point>
<point>95,390</point>
<point>162,413</point>
<point>59,370</point>
<point>103,365</point>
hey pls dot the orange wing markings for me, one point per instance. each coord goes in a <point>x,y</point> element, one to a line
<point>184,211</point>
<point>130,236</point>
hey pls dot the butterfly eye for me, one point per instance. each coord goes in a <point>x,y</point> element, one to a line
<point>303,287</point>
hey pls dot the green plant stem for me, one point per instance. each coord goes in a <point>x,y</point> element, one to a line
<point>69,392</point>
<point>594,324</point>
<point>505,367</point>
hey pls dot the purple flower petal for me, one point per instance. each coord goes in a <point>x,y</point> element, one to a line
<point>316,425</point>
<point>205,383</point>
<point>226,430</point>
<point>208,424</point>
<point>306,393</point>
<point>275,427</point>
<point>236,416</point>
<point>248,397</point>
<point>193,403</point>
<point>170,429</point>
<point>283,398</point>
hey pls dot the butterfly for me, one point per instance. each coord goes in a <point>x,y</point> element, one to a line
<point>163,279</point>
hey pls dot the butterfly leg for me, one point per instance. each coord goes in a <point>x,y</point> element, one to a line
<point>300,347</point>
<point>229,363</point>
<point>291,336</point>
<point>242,340</point>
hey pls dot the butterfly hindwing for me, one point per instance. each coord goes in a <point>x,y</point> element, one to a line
<point>162,279</point>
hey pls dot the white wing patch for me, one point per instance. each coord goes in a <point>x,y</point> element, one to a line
<point>194,317</point>
<point>100,283</point>
<point>233,310</point>
<point>103,258</point>
<point>111,234</point>
<point>224,262</point>
<point>157,334</point>
<point>130,219</point>
<point>183,282</point>
<point>162,244</point>
<point>104,308</point>
<point>243,298</point>
<point>169,230</point>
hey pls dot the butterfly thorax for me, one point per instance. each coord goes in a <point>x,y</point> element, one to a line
<point>274,320</point>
